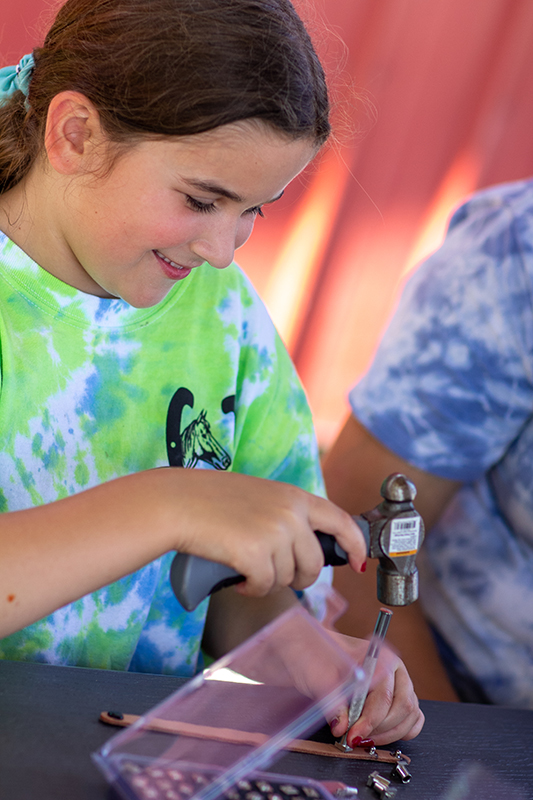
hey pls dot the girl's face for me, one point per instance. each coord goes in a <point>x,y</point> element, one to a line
<point>167,206</point>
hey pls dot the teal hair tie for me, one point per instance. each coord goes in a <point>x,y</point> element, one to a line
<point>17,77</point>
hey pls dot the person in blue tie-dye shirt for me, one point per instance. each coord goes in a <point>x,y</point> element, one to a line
<point>448,399</point>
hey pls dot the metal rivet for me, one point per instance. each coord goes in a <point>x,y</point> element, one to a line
<point>382,786</point>
<point>401,772</point>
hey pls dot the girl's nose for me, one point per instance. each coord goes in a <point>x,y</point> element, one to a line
<point>218,243</point>
<point>218,250</point>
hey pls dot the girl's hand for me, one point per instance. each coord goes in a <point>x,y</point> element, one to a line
<point>263,529</point>
<point>53,554</point>
<point>391,709</point>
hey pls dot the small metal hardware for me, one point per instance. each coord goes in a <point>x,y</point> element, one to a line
<point>346,793</point>
<point>401,773</point>
<point>341,745</point>
<point>382,786</point>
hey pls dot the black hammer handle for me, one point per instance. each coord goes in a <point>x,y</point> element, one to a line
<point>193,578</point>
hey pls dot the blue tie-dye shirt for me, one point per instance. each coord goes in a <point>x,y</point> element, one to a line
<point>451,391</point>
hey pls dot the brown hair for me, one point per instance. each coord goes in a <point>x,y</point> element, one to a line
<point>171,68</point>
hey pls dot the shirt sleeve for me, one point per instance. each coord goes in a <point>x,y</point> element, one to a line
<point>275,436</point>
<point>274,432</point>
<point>451,385</point>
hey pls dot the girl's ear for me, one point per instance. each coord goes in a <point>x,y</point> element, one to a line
<point>72,132</point>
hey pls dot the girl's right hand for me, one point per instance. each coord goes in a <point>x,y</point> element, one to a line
<point>263,529</point>
<point>54,554</point>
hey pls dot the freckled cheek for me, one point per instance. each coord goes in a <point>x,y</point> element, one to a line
<point>167,231</point>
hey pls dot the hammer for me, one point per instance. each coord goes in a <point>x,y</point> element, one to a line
<point>393,532</point>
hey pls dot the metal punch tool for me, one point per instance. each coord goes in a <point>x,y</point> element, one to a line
<point>368,667</point>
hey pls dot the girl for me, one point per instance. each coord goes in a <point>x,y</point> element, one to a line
<point>137,148</point>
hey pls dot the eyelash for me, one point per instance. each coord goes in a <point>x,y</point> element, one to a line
<point>209,208</point>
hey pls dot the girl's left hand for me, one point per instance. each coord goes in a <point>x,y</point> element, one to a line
<point>391,710</point>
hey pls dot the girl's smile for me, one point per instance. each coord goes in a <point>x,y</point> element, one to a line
<point>174,271</point>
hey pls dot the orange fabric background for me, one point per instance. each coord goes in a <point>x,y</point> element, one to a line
<point>433,100</point>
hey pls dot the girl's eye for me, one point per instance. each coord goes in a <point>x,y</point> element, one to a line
<point>196,205</point>
<point>207,208</point>
<point>257,211</point>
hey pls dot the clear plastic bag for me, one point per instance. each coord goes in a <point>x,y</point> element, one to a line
<point>230,722</point>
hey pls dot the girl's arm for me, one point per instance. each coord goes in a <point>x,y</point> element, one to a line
<point>54,554</point>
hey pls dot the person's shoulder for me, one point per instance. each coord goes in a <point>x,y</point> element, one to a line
<point>510,200</point>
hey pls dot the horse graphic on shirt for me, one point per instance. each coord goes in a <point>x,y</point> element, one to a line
<point>196,442</point>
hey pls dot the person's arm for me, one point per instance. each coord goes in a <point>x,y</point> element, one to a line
<point>231,619</point>
<point>54,554</point>
<point>354,469</point>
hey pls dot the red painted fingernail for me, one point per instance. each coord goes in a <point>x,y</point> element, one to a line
<point>333,723</point>
<point>367,743</point>
<point>363,566</point>
<point>360,742</point>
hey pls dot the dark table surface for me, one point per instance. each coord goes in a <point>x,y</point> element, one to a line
<point>49,727</point>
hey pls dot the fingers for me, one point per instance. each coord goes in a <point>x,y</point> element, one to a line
<point>339,722</point>
<point>308,560</point>
<point>391,709</point>
<point>288,556</point>
<point>285,550</point>
<point>263,529</point>
<point>329,518</point>
<point>405,719</point>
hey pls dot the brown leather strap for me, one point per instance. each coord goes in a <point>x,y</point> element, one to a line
<point>244,737</point>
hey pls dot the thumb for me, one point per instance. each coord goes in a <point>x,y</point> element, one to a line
<point>338,722</point>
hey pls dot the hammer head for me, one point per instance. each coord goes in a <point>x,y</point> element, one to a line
<point>395,531</point>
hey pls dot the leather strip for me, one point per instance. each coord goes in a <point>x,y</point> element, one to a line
<point>244,737</point>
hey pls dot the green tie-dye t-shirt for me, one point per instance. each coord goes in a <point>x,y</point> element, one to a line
<point>92,389</point>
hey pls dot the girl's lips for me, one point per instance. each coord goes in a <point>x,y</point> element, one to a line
<point>170,268</point>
